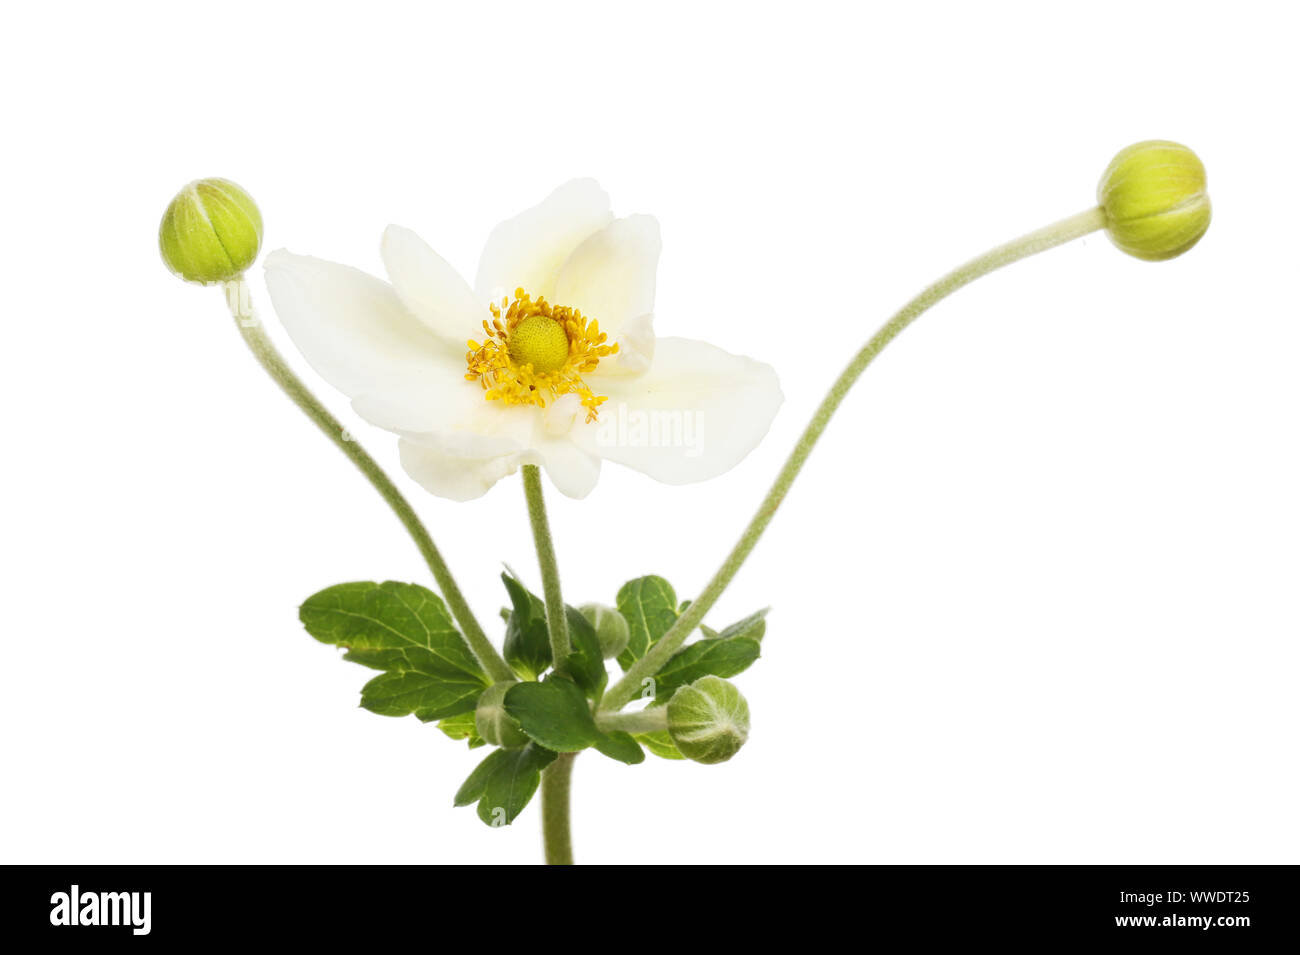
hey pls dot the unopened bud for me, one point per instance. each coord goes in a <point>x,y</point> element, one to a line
<point>211,232</point>
<point>708,720</point>
<point>610,626</point>
<point>1154,197</point>
<point>492,721</point>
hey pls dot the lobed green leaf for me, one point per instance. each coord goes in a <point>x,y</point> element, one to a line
<point>427,694</point>
<point>462,726</point>
<point>716,657</point>
<point>504,782</point>
<point>367,617</point>
<point>406,631</point>
<point>650,606</point>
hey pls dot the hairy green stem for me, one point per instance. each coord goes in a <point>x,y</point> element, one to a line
<point>652,720</point>
<point>557,625</point>
<point>1048,237</point>
<point>237,297</point>
<point>557,837</point>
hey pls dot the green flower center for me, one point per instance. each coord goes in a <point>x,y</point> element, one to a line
<point>535,352</point>
<point>541,342</point>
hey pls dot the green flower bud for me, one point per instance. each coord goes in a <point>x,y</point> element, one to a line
<point>492,721</point>
<point>211,232</point>
<point>1153,194</point>
<point>708,720</point>
<point>610,626</point>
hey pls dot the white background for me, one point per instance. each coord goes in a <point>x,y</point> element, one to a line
<point>1034,597</point>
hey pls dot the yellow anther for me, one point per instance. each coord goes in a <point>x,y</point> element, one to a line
<point>535,352</point>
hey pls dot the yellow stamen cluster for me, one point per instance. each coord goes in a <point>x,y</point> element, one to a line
<point>509,370</point>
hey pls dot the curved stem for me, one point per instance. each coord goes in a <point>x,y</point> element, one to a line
<point>652,720</point>
<point>1048,237</point>
<point>557,838</point>
<point>556,623</point>
<point>262,348</point>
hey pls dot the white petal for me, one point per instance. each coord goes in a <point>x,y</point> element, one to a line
<point>611,276</point>
<point>351,327</point>
<point>694,415</point>
<point>423,403</point>
<point>450,468</point>
<point>449,413</point>
<point>529,250</point>
<point>559,417</point>
<point>430,288</point>
<point>636,349</point>
<point>459,478</point>
<point>573,471</point>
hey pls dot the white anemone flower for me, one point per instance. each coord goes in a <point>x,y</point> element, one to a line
<point>551,359</point>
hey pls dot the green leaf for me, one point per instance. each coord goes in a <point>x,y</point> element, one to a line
<point>554,714</point>
<point>428,695</point>
<point>661,744</point>
<point>404,630</point>
<point>380,659</point>
<point>367,616</point>
<point>528,643</point>
<point>585,664</point>
<point>717,657</point>
<point>504,782</point>
<point>621,746</point>
<point>753,627</point>
<point>721,653</point>
<point>475,785</point>
<point>461,726</point>
<point>650,607</point>
<point>513,784</point>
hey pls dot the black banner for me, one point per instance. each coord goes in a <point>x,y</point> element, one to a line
<point>1225,906</point>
